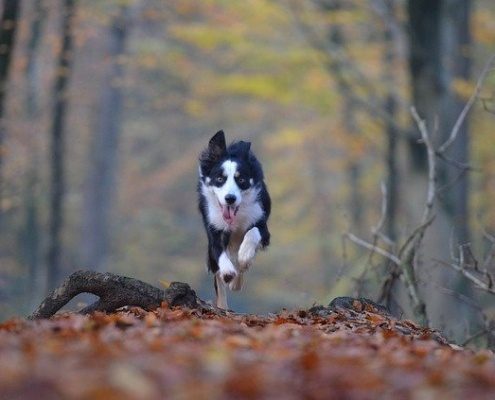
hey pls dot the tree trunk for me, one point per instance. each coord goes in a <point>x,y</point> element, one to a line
<point>348,112</point>
<point>101,180</point>
<point>31,226</point>
<point>8,29</point>
<point>64,67</point>
<point>438,35</point>
<point>439,40</point>
<point>457,39</point>
<point>390,74</point>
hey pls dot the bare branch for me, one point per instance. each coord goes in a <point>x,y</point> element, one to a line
<point>416,233</point>
<point>489,257</point>
<point>456,163</point>
<point>430,196</point>
<point>374,248</point>
<point>453,182</point>
<point>377,229</point>
<point>475,336</point>
<point>487,287</point>
<point>488,236</point>
<point>462,116</point>
<point>486,107</point>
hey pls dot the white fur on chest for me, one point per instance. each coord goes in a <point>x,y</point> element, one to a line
<point>249,212</point>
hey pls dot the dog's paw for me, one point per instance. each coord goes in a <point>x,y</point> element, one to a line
<point>227,269</point>
<point>237,283</point>
<point>248,248</point>
<point>229,278</point>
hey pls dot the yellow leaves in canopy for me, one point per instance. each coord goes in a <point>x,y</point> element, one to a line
<point>264,14</point>
<point>374,59</point>
<point>345,16</point>
<point>483,27</point>
<point>463,88</point>
<point>208,37</point>
<point>287,137</point>
<point>311,90</point>
<point>195,108</point>
<point>266,87</point>
<point>356,147</point>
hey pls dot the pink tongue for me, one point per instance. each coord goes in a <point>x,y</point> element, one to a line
<point>227,213</point>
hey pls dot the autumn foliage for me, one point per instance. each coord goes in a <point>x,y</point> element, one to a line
<point>353,353</point>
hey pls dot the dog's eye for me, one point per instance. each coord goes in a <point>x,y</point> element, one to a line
<point>220,179</point>
<point>241,180</point>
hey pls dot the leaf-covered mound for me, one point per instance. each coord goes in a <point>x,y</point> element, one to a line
<point>193,354</point>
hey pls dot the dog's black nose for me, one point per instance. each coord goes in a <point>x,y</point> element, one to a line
<point>230,199</point>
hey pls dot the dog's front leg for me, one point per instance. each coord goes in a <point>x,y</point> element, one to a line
<point>218,260</point>
<point>221,292</point>
<point>226,269</point>
<point>226,274</point>
<point>248,248</point>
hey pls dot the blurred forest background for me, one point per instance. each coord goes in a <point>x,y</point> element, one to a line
<point>105,106</point>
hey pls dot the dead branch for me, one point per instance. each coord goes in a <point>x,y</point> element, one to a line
<point>377,229</point>
<point>475,336</point>
<point>414,234</point>
<point>115,291</point>
<point>478,283</point>
<point>462,116</point>
<point>486,107</point>
<point>372,247</point>
<point>404,260</point>
<point>377,235</point>
<point>430,195</point>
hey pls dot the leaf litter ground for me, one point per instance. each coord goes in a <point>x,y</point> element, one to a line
<point>192,354</point>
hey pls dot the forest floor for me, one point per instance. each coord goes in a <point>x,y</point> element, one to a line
<point>174,353</point>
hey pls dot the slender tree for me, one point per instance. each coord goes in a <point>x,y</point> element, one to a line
<point>30,234</point>
<point>64,67</point>
<point>337,40</point>
<point>457,38</point>
<point>8,29</point>
<point>439,55</point>
<point>101,182</point>
<point>391,39</point>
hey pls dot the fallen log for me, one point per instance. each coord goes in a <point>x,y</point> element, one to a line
<point>115,291</point>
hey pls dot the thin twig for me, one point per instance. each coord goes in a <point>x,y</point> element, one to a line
<point>491,252</point>
<point>430,196</point>
<point>462,116</point>
<point>469,275</point>
<point>485,105</point>
<point>371,247</point>
<point>419,230</point>
<point>456,163</point>
<point>475,336</point>
<point>377,229</point>
<point>489,257</point>
<point>453,182</point>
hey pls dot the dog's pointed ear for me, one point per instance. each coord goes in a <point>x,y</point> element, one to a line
<point>217,146</point>
<point>245,147</point>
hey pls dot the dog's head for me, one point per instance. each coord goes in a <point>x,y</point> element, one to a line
<point>229,173</point>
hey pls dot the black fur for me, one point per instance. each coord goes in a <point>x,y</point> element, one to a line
<point>210,163</point>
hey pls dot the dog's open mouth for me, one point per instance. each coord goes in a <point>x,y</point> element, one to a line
<point>229,213</point>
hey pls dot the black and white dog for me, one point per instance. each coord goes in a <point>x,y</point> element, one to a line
<point>235,206</point>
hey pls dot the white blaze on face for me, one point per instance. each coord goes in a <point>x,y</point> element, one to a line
<point>230,186</point>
